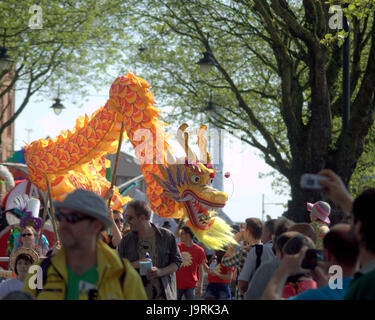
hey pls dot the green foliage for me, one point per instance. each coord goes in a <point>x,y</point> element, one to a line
<point>74,48</point>
<point>357,9</point>
<point>172,35</point>
<point>268,105</point>
<point>364,174</point>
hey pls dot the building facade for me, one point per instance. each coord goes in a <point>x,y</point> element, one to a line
<point>127,169</point>
<point>6,112</point>
<point>7,137</point>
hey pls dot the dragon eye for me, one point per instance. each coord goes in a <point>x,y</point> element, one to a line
<point>211,181</point>
<point>195,179</point>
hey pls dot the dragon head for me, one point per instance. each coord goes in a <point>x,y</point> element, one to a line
<point>190,183</point>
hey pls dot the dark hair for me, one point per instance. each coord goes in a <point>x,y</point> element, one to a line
<point>25,257</point>
<point>140,207</point>
<point>362,212</point>
<point>306,229</point>
<point>342,244</point>
<point>255,227</point>
<point>188,230</point>
<point>117,212</point>
<point>236,228</point>
<point>270,225</point>
<point>220,254</point>
<point>166,225</point>
<point>295,244</point>
<point>283,239</point>
<point>282,225</point>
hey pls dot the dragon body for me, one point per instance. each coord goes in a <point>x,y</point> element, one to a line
<point>175,190</point>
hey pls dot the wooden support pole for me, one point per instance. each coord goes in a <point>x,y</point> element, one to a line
<point>46,201</point>
<point>52,212</point>
<point>116,161</point>
<point>182,219</point>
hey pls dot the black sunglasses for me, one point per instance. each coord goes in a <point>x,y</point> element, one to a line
<point>71,217</point>
<point>27,234</point>
<point>119,220</point>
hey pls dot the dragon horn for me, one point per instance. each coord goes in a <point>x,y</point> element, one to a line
<point>208,158</point>
<point>203,144</point>
<point>170,157</point>
<point>186,136</point>
<point>183,141</point>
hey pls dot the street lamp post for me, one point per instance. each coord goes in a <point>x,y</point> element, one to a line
<point>216,148</point>
<point>346,76</point>
<point>216,142</point>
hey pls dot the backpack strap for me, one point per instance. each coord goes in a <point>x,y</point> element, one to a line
<point>259,252</point>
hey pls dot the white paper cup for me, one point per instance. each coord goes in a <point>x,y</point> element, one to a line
<point>144,266</point>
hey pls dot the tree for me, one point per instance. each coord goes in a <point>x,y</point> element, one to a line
<point>73,45</point>
<point>276,79</point>
<point>364,174</point>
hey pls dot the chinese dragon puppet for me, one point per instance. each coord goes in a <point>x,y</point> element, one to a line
<point>176,188</point>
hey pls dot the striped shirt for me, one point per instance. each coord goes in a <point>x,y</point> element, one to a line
<point>237,261</point>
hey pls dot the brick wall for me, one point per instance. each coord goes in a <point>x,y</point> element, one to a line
<point>7,138</point>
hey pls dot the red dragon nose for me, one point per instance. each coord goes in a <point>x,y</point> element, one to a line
<point>212,175</point>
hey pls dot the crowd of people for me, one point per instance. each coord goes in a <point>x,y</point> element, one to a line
<point>108,255</point>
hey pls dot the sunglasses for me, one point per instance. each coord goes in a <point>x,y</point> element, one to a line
<point>27,235</point>
<point>119,220</point>
<point>71,217</point>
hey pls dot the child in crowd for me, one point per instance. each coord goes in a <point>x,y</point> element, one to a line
<point>219,279</point>
<point>319,212</point>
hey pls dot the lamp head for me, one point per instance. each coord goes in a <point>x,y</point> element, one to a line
<point>57,106</point>
<point>5,59</point>
<point>206,63</point>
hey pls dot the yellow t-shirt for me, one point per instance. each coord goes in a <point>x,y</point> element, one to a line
<point>321,229</point>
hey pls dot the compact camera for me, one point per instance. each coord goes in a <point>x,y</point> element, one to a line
<point>311,181</point>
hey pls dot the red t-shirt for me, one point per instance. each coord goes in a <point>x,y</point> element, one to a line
<point>221,270</point>
<point>292,289</point>
<point>192,257</point>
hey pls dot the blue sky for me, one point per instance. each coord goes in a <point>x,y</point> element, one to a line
<point>244,187</point>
